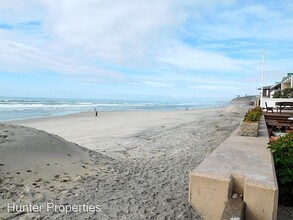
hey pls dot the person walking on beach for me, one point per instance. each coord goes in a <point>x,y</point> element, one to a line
<point>96,112</point>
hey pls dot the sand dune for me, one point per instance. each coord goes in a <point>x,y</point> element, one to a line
<point>38,165</point>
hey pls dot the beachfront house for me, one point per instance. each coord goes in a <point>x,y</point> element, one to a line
<point>275,88</point>
<point>266,91</point>
<point>279,92</point>
<point>287,82</point>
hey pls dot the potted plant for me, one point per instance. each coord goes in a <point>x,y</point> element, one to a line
<point>282,150</point>
<point>250,124</point>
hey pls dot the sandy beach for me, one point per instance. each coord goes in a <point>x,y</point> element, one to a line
<point>128,165</point>
<point>132,134</point>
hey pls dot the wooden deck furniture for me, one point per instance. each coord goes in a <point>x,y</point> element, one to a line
<point>278,121</point>
<point>284,105</point>
<point>269,108</point>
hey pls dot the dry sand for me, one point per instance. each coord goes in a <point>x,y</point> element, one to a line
<point>130,134</point>
<point>137,167</point>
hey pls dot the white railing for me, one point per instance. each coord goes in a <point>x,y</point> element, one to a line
<point>271,102</point>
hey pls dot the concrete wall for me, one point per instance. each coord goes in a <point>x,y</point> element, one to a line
<point>241,165</point>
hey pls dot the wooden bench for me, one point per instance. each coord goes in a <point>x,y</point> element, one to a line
<point>278,124</point>
<point>284,106</point>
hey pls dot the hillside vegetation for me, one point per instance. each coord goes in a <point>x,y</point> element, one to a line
<point>243,99</point>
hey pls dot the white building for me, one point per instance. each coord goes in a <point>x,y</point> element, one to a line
<point>269,91</point>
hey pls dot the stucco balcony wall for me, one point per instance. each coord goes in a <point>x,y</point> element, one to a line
<point>271,102</point>
<point>241,165</point>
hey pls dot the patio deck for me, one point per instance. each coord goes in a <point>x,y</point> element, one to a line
<point>279,122</point>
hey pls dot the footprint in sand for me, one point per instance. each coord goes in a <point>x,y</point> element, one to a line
<point>65,180</point>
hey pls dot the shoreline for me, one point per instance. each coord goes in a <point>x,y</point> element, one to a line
<point>65,113</point>
<point>114,111</point>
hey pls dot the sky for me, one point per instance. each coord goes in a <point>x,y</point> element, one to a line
<point>143,49</point>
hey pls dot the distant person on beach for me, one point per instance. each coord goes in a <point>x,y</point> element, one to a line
<point>96,112</point>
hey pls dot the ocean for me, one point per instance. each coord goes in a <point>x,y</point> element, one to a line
<point>25,108</point>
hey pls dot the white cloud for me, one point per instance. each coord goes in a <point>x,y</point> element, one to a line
<point>116,30</point>
<point>251,21</point>
<point>15,11</point>
<point>153,84</point>
<point>215,87</point>
<point>19,57</point>
<point>187,57</point>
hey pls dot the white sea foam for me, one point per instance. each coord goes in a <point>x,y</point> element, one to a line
<point>19,108</point>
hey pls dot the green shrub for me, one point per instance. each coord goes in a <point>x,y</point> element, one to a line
<point>282,150</point>
<point>285,93</point>
<point>253,115</point>
<point>277,94</point>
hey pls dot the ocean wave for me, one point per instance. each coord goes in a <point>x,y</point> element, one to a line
<point>29,108</point>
